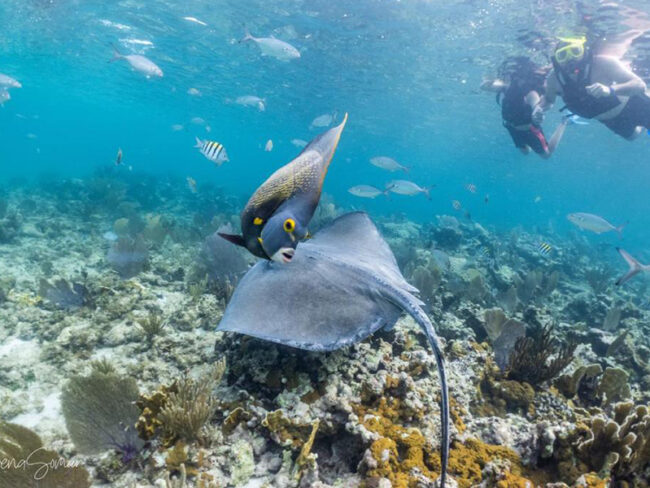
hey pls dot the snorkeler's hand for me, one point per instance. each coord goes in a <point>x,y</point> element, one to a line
<point>487,85</point>
<point>598,90</point>
<point>538,115</point>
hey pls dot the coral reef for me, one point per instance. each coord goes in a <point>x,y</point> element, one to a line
<point>619,446</point>
<point>10,226</point>
<point>366,415</point>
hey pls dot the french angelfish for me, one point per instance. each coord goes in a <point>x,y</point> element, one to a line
<point>340,287</point>
<point>635,267</point>
<point>276,217</point>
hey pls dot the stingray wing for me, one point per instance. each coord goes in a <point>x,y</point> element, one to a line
<point>353,240</point>
<point>306,304</point>
<point>325,298</point>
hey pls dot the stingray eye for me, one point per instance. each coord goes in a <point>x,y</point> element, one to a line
<point>289,225</point>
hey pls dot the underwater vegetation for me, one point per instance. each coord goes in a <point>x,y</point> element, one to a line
<point>27,463</point>
<point>100,412</point>
<point>64,294</point>
<point>190,404</point>
<point>538,357</point>
<point>128,256</point>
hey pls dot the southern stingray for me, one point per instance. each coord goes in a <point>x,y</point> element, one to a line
<point>341,286</point>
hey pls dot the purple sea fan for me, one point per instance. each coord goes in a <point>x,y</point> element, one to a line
<point>221,259</point>
<point>128,256</point>
<point>100,413</point>
<point>64,294</point>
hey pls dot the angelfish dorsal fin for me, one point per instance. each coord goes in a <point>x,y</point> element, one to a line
<point>235,239</point>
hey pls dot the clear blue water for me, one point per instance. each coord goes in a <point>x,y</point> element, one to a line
<point>406,72</point>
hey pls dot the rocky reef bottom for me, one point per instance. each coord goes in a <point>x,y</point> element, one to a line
<point>111,369</point>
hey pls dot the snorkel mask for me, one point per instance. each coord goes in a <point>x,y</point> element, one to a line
<point>571,50</point>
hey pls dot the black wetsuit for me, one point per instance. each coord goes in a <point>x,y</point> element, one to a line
<point>516,113</point>
<point>574,93</point>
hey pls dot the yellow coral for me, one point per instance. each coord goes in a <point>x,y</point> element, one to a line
<point>231,422</point>
<point>150,406</point>
<point>400,449</point>
<point>285,431</point>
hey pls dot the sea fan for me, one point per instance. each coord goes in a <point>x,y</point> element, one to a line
<point>221,259</point>
<point>100,413</point>
<point>64,294</point>
<point>128,256</point>
<point>26,462</point>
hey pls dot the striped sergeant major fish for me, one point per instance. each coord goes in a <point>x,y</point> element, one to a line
<point>544,248</point>
<point>212,150</point>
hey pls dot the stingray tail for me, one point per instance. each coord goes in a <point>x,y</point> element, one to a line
<point>444,392</point>
<point>410,305</point>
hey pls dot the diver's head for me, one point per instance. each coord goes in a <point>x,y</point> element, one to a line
<point>571,52</point>
<point>280,236</point>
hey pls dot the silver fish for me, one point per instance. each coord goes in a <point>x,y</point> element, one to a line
<point>270,46</point>
<point>324,120</point>
<point>252,101</point>
<point>384,162</point>
<point>195,92</point>
<point>635,267</point>
<point>594,223</point>
<point>298,142</point>
<point>195,20</point>
<point>367,191</point>
<point>212,150</point>
<point>269,146</point>
<point>139,63</point>
<point>4,96</point>
<point>9,82</point>
<point>405,187</point>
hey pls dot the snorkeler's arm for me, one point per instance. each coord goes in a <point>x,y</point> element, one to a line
<point>533,99</point>
<point>621,80</point>
<point>493,85</point>
<point>552,90</point>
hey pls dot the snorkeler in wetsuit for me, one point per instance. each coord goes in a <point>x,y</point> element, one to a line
<point>520,88</point>
<point>598,87</point>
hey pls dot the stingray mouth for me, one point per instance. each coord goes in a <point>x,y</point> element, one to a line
<point>284,255</point>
